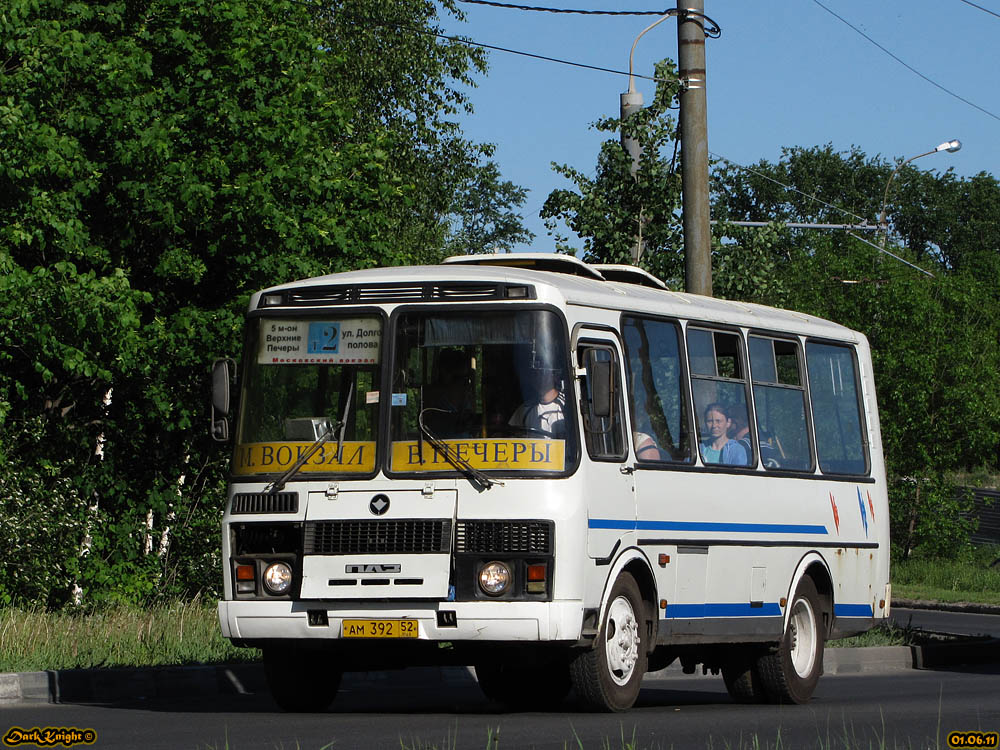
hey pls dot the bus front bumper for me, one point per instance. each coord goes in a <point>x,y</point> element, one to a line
<point>481,621</point>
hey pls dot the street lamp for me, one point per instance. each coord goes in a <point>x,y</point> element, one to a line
<point>630,103</point>
<point>631,100</point>
<point>949,146</point>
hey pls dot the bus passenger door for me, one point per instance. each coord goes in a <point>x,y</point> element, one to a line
<point>610,495</point>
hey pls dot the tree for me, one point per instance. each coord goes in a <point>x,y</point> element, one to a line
<point>608,211</point>
<point>484,217</point>
<point>934,339</point>
<point>159,160</point>
<point>404,77</point>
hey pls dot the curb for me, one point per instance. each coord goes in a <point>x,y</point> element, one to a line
<point>116,685</point>
<point>969,607</point>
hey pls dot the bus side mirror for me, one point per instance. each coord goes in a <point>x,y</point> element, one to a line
<point>223,373</point>
<point>601,388</point>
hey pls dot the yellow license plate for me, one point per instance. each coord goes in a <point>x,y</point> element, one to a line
<point>379,629</point>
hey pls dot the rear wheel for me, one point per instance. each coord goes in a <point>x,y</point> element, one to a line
<point>742,677</point>
<point>790,674</point>
<point>301,681</point>
<point>608,676</point>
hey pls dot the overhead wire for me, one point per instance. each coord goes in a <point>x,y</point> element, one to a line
<point>711,28</point>
<point>985,10</point>
<point>546,58</point>
<point>906,65</point>
<point>512,6</point>
<point>863,220</point>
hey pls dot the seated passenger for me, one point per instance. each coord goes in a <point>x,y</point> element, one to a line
<point>741,432</point>
<point>646,448</point>
<point>716,447</point>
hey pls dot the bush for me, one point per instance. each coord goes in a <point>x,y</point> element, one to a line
<point>929,517</point>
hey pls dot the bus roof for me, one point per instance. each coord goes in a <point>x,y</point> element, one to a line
<point>557,279</point>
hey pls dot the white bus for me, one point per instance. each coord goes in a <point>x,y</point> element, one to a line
<point>563,475</point>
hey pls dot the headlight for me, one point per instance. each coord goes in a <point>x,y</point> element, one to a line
<point>278,577</point>
<point>494,578</point>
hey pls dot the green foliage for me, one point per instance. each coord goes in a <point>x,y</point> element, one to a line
<point>485,217</point>
<point>934,339</point>
<point>972,575</point>
<point>608,211</point>
<point>159,160</point>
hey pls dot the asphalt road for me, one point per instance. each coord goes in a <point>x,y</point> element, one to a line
<point>963,623</point>
<point>911,709</point>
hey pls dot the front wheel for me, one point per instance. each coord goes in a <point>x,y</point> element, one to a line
<point>301,681</point>
<point>540,686</point>
<point>790,674</point>
<point>608,676</point>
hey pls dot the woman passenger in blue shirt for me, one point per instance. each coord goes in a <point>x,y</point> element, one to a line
<point>716,447</point>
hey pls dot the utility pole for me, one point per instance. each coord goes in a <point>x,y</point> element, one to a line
<point>631,102</point>
<point>694,146</point>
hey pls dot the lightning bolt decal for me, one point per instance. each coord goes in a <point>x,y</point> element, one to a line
<point>836,515</point>
<point>871,506</point>
<point>864,513</point>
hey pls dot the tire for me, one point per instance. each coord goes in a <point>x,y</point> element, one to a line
<point>790,674</point>
<point>301,681</point>
<point>608,676</point>
<point>518,686</point>
<point>742,677</point>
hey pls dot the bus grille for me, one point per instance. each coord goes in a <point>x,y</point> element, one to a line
<point>504,537</point>
<point>377,537</point>
<point>264,502</point>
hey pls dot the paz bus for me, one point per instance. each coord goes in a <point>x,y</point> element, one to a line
<point>563,475</point>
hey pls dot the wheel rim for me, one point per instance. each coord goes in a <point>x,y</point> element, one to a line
<point>803,635</point>
<point>621,640</point>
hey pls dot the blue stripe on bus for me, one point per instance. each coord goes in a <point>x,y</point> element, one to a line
<point>853,610</point>
<point>758,528</point>
<point>690,611</point>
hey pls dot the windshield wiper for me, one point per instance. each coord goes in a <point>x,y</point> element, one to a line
<point>480,480</point>
<point>318,443</point>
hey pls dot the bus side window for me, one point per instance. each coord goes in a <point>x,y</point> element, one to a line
<point>719,386</point>
<point>840,438</point>
<point>601,404</point>
<point>780,403</point>
<point>657,391</point>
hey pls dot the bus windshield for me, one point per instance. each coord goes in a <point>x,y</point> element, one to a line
<point>310,380</point>
<point>490,387</point>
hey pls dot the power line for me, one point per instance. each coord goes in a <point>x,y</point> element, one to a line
<point>864,221</point>
<point>711,28</point>
<point>569,10</point>
<point>905,64</point>
<point>471,43</point>
<point>985,10</point>
<point>789,187</point>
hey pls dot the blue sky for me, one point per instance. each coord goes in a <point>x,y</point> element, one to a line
<point>783,73</point>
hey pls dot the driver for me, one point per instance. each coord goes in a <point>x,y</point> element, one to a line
<point>544,408</point>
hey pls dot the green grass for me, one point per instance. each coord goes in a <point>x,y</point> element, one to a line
<point>885,634</point>
<point>169,634</point>
<point>969,578</point>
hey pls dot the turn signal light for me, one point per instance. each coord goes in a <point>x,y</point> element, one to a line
<point>245,583</point>
<point>536,578</point>
<point>536,572</point>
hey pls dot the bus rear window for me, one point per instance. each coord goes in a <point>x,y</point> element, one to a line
<point>833,391</point>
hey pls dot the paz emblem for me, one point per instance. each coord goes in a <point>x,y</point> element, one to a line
<point>379,505</point>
